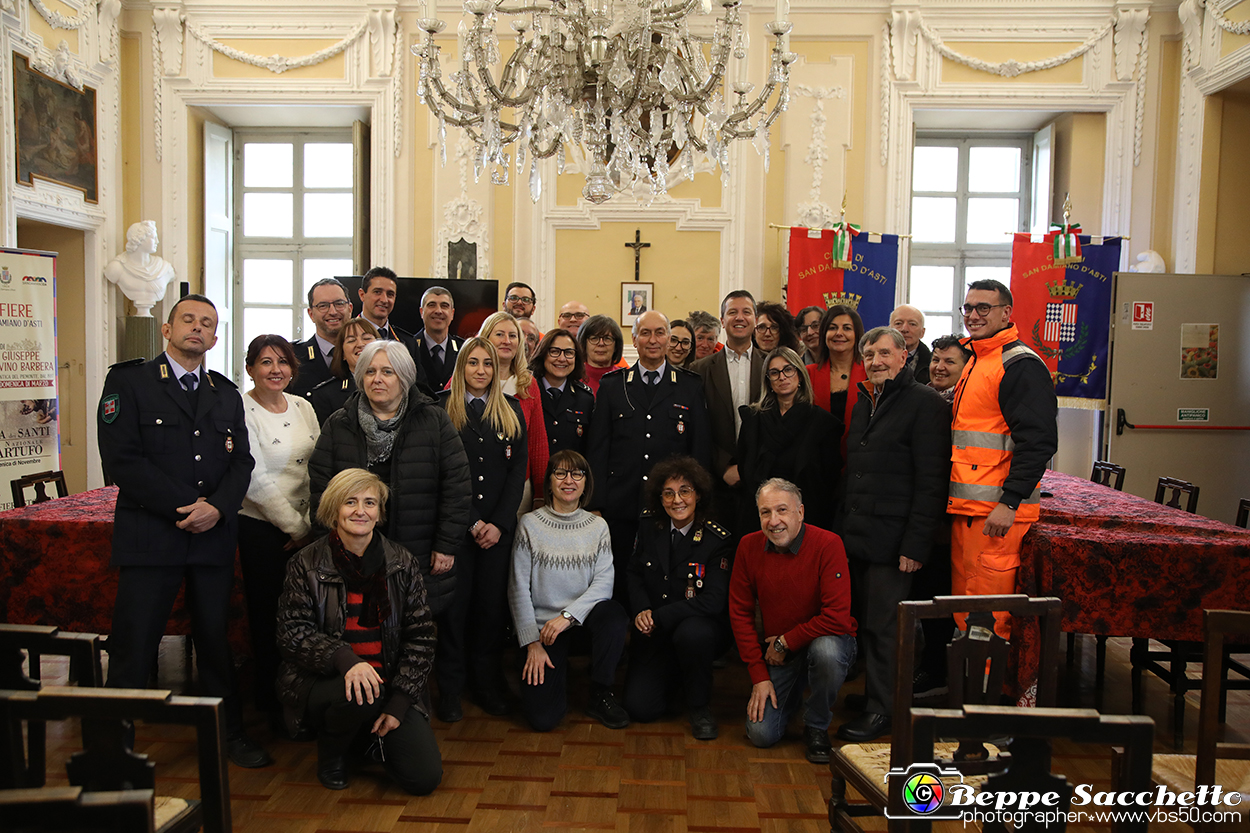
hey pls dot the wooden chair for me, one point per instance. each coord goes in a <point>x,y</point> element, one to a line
<point>83,651</point>
<point>976,667</point>
<point>1225,764</point>
<point>1028,766</point>
<point>73,810</point>
<point>40,483</point>
<point>106,763</point>
<point>1177,488</point>
<point>1103,473</point>
<point>1243,512</point>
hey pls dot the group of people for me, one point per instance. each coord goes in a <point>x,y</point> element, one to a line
<point>406,505</point>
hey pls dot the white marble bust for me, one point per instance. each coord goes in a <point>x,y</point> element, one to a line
<point>142,276</point>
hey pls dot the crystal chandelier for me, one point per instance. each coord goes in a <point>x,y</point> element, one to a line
<point>623,84</point>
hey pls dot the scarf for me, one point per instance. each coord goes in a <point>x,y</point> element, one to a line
<point>364,574</point>
<point>379,433</point>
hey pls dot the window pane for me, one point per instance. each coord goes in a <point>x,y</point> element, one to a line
<point>259,321</point>
<point>319,269</point>
<point>940,325</point>
<point>327,215</point>
<point>933,219</point>
<point>268,165</point>
<point>267,281</point>
<point>268,215</point>
<point>994,169</point>
<point>328,166</point>
<point>992,220</point>
<point>936,169</point>
<point>931,287</point>
<point>1002,274</point>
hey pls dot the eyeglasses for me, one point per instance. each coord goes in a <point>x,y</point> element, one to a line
<point>574,316</point>
<point>814,327</point>
<point>518,299</point>
<point>767,328</point>
<point>576,475</point>
<point>565,352</point>
<point>680,342</point>
<point>602,340</point>
<point>775,373</point>
<point>324,306</point>
<point>980,309</point>
<point>685,493</point>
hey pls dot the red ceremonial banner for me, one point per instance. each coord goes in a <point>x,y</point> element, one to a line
<point>1032,267</point>
<point>811,273</point>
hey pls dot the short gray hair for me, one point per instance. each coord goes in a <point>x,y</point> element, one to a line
<point>399,357</point>
<point>876,333</point>
<point>702,320</point>
<point>637,318</point>
<point>325,282</point>
<point>778,483</point>
<point>438,290</point>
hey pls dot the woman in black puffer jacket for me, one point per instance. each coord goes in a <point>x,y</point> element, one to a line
<point>393,430</point>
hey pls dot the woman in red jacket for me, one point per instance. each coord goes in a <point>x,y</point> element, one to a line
<point>839,366</point>
<point>503,331</point>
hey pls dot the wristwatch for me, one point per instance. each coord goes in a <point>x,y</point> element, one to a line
<point>568,616</point>
<point>779,646</point>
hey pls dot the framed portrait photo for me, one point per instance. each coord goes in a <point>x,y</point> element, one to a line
<point>56,130</point>
<point>635,300</point>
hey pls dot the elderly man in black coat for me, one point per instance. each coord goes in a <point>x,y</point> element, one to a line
<point>897,471</point>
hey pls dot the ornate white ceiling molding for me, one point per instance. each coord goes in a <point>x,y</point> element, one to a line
<point>383,33</point>
<point>1011,67</point>
<point>167,36</point>
<point>109,11</point>
<point>1217,15</point>
<point>278,63</point>
<point>815,212</point>
<point>59,21</point>
<point>63,65</point>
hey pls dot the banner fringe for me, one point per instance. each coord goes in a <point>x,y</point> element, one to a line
<point>1082,404</point>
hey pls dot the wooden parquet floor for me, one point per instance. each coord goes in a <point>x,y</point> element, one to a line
<point>648,778</point>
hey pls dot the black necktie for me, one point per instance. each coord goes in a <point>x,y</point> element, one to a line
<point>675,540</point>
<point>329,356</point>
<point>652,377</point>
<point>436,352</point>
<point>190,382</point>
<point>554,393</point>
<point>478,407</point>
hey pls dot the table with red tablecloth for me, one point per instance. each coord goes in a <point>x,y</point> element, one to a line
<point>54,568</point>
<point>1127,566</point>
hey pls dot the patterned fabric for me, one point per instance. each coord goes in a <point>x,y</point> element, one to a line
<point>54,569</point>
<point>365,642</point>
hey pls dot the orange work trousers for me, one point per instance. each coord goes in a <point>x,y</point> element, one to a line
<point>984,566</point>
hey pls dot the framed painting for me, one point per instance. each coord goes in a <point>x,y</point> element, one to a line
<point>635,300</point>
<point>56,131</point>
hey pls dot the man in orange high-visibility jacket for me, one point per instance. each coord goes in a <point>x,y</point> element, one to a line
<point>1003,433</point>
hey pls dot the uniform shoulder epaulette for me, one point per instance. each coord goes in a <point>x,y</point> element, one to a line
<point>221,377</point>
<point>648,513</point>
<point>685,370</point>
<point>333,380</point>
<point>614,372</point>
<point>1017,350</point>
<point>716,529</point>
<point>128,363</point>
<point>578,383</point>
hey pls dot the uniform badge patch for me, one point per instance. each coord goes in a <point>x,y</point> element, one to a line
<point>724,563</point>
<point>681,427</point>
<point>109,407</point>
<point>579,430</point>
<point>229,444</point>
<point>507,452</point>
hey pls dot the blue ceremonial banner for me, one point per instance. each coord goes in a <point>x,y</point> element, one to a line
<point>1064,313</point>
<point>866,285</point>
<point>872,275</point>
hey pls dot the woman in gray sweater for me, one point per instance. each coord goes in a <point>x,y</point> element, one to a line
<point>561,595</point>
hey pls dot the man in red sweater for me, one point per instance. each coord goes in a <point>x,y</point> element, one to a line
<point>798,574</point>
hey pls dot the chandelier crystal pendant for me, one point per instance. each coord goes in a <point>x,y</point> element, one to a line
<point>624,84</point>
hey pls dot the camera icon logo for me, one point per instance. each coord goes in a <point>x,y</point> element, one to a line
<point>923,791</point>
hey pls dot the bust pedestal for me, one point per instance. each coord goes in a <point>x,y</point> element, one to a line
<point>142,339</point>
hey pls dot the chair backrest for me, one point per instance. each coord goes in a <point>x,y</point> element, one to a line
<point>1221,627</point>
<point>1104,472</point>
<point>1243,512</point>
<point>39,481</point>
<point>1028,768</point>
<point>106,763</point>
<point>1177,488</point>
<point>977,659</point>
<point>73,809</point>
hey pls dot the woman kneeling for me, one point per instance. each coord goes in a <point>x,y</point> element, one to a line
<point>357,641</point>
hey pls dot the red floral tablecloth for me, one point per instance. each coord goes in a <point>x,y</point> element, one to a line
<point>54,568</point>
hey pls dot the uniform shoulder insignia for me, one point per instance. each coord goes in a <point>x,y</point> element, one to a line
<point>327,383</point>
<point>1016,351</point>
<point>219,377</point>
<point>615,372</point>
<point>580,385</point>
<point>128,363</point>
<point>687,371</point>
<point>716,529</point>
<point>647,513</point>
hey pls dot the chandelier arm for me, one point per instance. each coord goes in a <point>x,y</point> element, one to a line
<point>450,99</point>
<point>483,72</point>
<point>672,14</point>
<point>701,93</point>
<point>755,106</point>
<point>643,64</point>
<point>510,68</point>
<point>550,151</point>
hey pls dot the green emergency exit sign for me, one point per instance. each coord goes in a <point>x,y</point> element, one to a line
<point>1193,414</point>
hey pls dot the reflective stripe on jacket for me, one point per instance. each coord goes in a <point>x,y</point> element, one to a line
<point>981,444</point>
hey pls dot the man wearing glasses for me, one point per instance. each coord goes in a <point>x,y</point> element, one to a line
<point>572,316</point>
<point>328,308</point>
<point>1003,433</point>
<point>519,300</point>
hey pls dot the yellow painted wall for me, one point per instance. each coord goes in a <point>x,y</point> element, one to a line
<point>196,117</point>
<point>52,37</point>
<point>1230,43</point>
<point>1232,214</point>
<point>1209,189</point>
<point>333,68</point>
<point>684,266</point>
<point>1165,159</point>
<point>1069,73</point>
<point>1079,165</point>
<point>77,414</point>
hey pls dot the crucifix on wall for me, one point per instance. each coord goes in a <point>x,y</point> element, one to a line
<point>637,246</point>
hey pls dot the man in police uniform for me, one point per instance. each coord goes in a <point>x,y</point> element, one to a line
<point>434,348</point>
<point>643,414</point>
<point>378,291</point>
<point>173,438</point>
<point>328,308</point>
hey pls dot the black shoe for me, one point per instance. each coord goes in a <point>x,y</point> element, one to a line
<point>925,684</point>
<point>864,728</point>
<point>449,710</point>
<point>855,702</point>
<point>702,725</point>
<point>604,708</point>
<point>491,701</point>
<point>818,746</point>
<point>332,772</point>
<point>243,752</point>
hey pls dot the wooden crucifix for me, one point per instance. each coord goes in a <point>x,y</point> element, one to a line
<point>637,246</point>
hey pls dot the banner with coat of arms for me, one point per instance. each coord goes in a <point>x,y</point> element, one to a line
<point>1063,312</point>
<point>843,265</point>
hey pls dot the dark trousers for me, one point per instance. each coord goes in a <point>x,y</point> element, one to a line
<point>930,581</point>
<point>411,752</point>
<point>624,533</point>
<point>481,589</point>
<point>666,660</point>
<point>880,588</point>
<point>145,597</point>
<point>544,704</point>
<point>263,562</point>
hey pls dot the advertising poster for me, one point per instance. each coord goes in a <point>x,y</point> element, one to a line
<point>30,437</point>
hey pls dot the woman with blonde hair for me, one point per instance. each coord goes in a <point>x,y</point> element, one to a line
<point>504,333</point>
<point>492,429</point>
